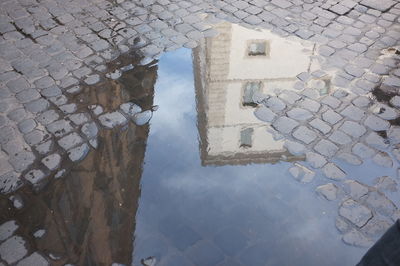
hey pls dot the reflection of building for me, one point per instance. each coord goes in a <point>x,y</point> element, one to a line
<point>230,70</point>
<point>89,215</point>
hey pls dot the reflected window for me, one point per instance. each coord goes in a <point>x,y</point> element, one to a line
<point>257,48</point>
<point>246,136</point>
<point>250,90</point>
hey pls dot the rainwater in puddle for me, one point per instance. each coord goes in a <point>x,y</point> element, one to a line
<point>207,199</point>
<point>205,182</point>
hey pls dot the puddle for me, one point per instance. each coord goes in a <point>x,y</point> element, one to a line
<point>216,203</point>
<point>205,182</point>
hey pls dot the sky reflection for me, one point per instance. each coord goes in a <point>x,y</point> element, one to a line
<point>253,214</point>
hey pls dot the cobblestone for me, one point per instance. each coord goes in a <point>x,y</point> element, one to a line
<point>320,125</point>
<point>37,74</point>
<point>326,148</point>
<point>285,124</point>
<point>363,151</point>
<point>331,117</point>
<point>340,138</point>
<point>353,129</point>
<point>383,159</point>
<point>264,114</point>
<point>7,229</point>
<point>332,171</point>
<point>13,249</point>
<point>301,173</point>
<point>304,134</point>
<point>328,191</point>
<point>34,259</point>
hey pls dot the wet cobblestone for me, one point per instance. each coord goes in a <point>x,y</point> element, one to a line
<point>50,50</point>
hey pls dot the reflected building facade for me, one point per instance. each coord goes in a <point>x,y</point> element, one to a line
<point>232,70</point>
<point>89,214</point>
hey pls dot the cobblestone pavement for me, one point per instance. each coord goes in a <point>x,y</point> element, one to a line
<point>50,50</point>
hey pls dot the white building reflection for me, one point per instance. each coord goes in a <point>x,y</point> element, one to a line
<point>231,70</point>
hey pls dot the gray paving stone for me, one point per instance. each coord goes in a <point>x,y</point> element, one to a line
<point>34,137</point>
<point>304,34</point>
<point>44,82</point>
<point>331,117</point>
<point>356,213</point>
<point>340,94</point>
<point>304,134</point>
<point>26,126</point>
<point>328,191</point>
<point>326,50</point>
<point>394,135</point>
<point>331,101</point>
<point>253,20</point>
<point>34,259</point>
<point>355,189</point>
<point>376,227</point>
<point>374,140</point>
<point>353,112</point>
<point>35,176</point>
<point>302,173</point>
<point>7,229</point>
<point>130,108</point>
<point>52,161</point>
<point>60,128</point>
<point>383,5</point>
<point>44,148</point>
<point>295,147</point>
<point>327,148</point>
<point>10,182</point>
<point>37,106</point>
<point>361,101</point>
<point>79,118</point>
<point>264,114</point>
<point>383,159</point>
<point>47,117</point>
<point>332,171</point>
<point>363,151</point>
<point>299,114</point>
<point>78,153</point>
<point>310,105</point>
<point>70,141</point>
<point>354,71</point>
<point>51,91</point>
<point>110,120</point>
<point>356,238</point>
<point>289,96</point>
<point>380,203</point>
<point>379,69</point>
<point>285,125</point>
<point>385,183</point>
<point>282,3</point>
<point>353,129</point>
<point>375,123</point>
<point>142,118</point>
<point>384,111</point>
<point>90,130</point>
<point>349,158</point>
<point>275,104</point>
<point>320,125</point>
<point>315,160</point>
<point>21,160</point>
<point>340,138</point>
<point>6,134</point>
<point>13,249</point>
<point>342,225</point>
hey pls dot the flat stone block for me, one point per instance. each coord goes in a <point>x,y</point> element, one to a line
<point>332,171</point>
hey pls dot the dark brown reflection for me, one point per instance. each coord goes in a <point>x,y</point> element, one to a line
<point>89,215</point>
